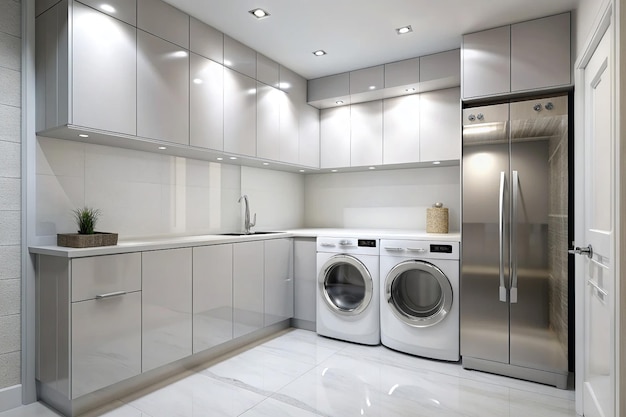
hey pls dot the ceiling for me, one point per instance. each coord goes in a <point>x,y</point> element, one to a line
<point>359,33</point>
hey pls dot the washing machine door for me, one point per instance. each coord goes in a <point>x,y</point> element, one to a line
<point>345,285</point>
<point>418,293</point>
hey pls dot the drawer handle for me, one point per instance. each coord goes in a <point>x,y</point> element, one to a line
<point>109,295</point>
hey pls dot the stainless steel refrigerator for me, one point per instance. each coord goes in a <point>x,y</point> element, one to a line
<point>514,271</point>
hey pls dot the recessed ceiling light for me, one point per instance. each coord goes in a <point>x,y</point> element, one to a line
<point>436,162</point>
<point>107,8</point>
<point>219,158</point>
<point>82,135</point>
<point>259,13</point>
<point>233,158</point>
<point>162,148</point>
<point>339,102</point>
<point>404,30</point>
<point>319,52</point>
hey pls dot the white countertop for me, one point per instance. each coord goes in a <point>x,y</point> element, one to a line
<point>174,242</point>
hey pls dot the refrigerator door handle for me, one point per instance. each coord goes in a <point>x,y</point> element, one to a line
<point>515,181</point>
<point>501,237</point>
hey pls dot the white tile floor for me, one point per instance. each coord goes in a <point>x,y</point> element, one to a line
<point>300,374</point>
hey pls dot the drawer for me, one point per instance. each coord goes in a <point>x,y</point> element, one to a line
<point>100,275</point>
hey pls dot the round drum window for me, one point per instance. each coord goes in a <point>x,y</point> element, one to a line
<point>418,293</point>
<point>346,284</point>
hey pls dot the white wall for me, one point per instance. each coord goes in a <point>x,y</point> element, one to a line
<point>277,197</point>
<point>10,194</point>
<point>393,199</point>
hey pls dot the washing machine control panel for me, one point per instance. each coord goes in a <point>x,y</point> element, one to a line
<point>367,243</point>
<point>441,248</point>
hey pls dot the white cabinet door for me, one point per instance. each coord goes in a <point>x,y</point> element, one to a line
<point>212,296</point>
<point>106,341</point>
<point>206,41</point>
<point>403,73</point>
<point>239,57</point>
<point>401,122</point>
<point>248,262</point>
<point>206,95</point>
<point>278,285</point>
<point>164,21</point>
<point>166,307</point>
<point>309,136</point>
<point>440,125</point>
<point>540,53</point>
<point>294,93</point>
<point>162,90</point>
<point>305,279</point>
<point>366,133</point>
<point>267,71</point>
<point>335,137</point>
<point>268,107</point>
<point>104,72</point>
<point>239,113</point>
<point>486,64</point>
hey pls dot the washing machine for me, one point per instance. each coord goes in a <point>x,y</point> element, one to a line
<point>419,290</point>
<point>347,289</point>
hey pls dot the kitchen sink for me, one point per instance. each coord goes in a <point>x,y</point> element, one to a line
<point>249,234</point>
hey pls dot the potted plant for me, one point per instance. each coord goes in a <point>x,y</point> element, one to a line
<point>86,237</point>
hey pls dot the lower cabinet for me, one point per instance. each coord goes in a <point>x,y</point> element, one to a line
<point>278,286</point>
<point>212,296</point>
<point>305,281</point>
<point>247,287</point>
<point>166,307</point>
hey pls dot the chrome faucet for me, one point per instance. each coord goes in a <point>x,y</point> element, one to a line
<point>247,224</point>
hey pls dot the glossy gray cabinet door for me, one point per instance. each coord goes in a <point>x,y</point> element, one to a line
<point>206,41</point>
<point>162,90</point>
<point>268,106</point>
<point>440,71</point>
<point>104,72</point>
<point>294,93</point>
<point>309,136</point>
<point>324,89</point>
<point>239,113</point>
<point>486,57</point>
<point>401,129</point>
<point>267,70</point>
<point>366,133</point>
<point>440,125</point>
<point>212,296</point>
<point>540,53</point>
<point>278,281</point>
<point>206,95</point>
<point>106,342</point>
<point>248,262</point>
<point>367,79</point>
<point>335,137</point>
<point>164,21</point>
<point>239,57</point>
<point>99,275</point>
<point>305,278</point>
<point>166,308</point>
<point>403,73</point>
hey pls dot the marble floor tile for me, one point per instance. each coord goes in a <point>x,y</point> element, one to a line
<point>301,374</point>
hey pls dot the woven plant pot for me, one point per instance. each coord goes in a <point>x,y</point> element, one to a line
<point>76,240</point>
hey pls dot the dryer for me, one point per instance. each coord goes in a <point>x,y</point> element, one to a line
<point>347,289</point>
<point>419,290</point>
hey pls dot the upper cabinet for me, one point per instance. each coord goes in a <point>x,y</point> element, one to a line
<point>526,56</point>
<point>144,75</point>
<point>440,125</point>
<point>426,73</point>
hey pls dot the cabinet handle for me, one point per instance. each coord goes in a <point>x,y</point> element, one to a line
<point>109,295</point>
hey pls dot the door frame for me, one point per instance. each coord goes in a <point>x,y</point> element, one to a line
<point>607,20</point>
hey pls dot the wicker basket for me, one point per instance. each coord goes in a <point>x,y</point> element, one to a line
<point>437,219</point>
<point>76,240</point>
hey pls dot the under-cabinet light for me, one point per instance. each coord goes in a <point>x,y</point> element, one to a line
<point>372,167</point>
<point>232,158</point>
<point>410,90</point>
<point>220,158</point>
<point>162,148</point>
<point>266,163</point>
<point>339,102</point>
<point>319,52</point>
<point>333,170</point>
<point>436,162</point>
<point>301,170</point>
<point>372,87</point>
<point>82,135</point>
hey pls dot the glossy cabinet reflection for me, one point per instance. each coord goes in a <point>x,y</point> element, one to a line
<point>163,20</point>
<point>212,296</point>
<point>440,125</point>
<point>239,113</point>
<point>401,122</point>
<point>278,287</point>
<point>248,269</point>
<point>166,308</point>
<point>335,137</point>
<point>366,133</point>
<point>268,106</point>
<point>206,95</point>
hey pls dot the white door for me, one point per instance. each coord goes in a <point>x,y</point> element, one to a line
<point>597,268</point>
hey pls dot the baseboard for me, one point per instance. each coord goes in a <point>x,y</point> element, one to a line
<point>303,324</point>
<point>10,397</point>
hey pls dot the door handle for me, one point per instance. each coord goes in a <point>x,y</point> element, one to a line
<point>501,238</point>
<point>515,183</point>
<point>582,251</point>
